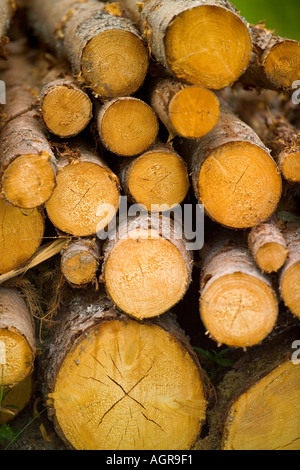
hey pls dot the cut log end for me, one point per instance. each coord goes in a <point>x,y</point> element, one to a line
<point>275,398</point>
<point>238,309</point>
<point>66,110</point>
<point>282,64</point>
<point>240,185</point>
<point>19,357</point>
<point>214,53</point>
<point>21,232</point>
<point>127,127</point>
<point>158,180</point>
<point>115,63</point>
<point>271,257</point>
<point>79,262</point>
<point>29,180</point>
<point>289,163</point>
<point>157,279</point>
<point>194,111</point>
<point>17,342</point>
<point>123,406</point>
<point>80,268</point>
<point>290,288</point>
<point>84,200</point>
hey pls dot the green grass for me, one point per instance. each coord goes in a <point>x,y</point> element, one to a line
<point>281,16</point>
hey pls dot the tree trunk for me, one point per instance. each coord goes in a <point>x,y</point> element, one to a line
<point>275,61</point>
<point>27,163</point>
<point>105,51</point>
<point>237,303</point>
<point>290,275</point>
<point>127,126</point>
<point>205,43</point>
<point>66,108</point>
<point>86,197</point>
<point>21,233</point>
<point>108,388</point>
<point>264,114</point>
<point>268,246</point>
<point>258,400</point>
<point>186,111</point>
<point>157,179</point>
<point>147,267</point>
<point>80,262</point>
<point>17,341</point>
<point>233,173</point>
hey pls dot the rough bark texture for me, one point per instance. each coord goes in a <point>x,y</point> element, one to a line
<point>290,275</point>
<point>265,114</point>
<point>268,246</point>
<point>268,68</point>
<point>69,26</point>
<point>7,8</point>
<point>78,320</point>
<point>156,18</point>
<point>23,136</point>
<point>226,172</point>
<point>273,421</point>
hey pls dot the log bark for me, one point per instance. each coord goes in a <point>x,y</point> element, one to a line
<point>268,246</point>
<point>66,108</point>
<point>21,233</point>
<point>157,180</point>
<point>238,305</point>
<point>147,267</point>
<point>186,111</point>
<point>86,197</point>
<point>258,400</point>
<point>275,61</point>
<point>127,126</point>
<point>15,399</point>
<point>17,339</point>
<point>233,173</point>
<point>27,163</point>
<point>264,114</point>
<point>7,9</point>
<point>195,40</point>
<point>105,51</point>
<point>290,275</point>
<point>80,262</point>
<point>134,396</point>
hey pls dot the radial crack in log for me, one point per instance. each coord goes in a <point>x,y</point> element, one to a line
<point>125,393</point>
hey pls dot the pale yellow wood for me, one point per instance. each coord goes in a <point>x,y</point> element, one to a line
<point>128,385</point>
<point>266,417</point>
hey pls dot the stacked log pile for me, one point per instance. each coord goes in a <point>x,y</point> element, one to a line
<point>171,103</point>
